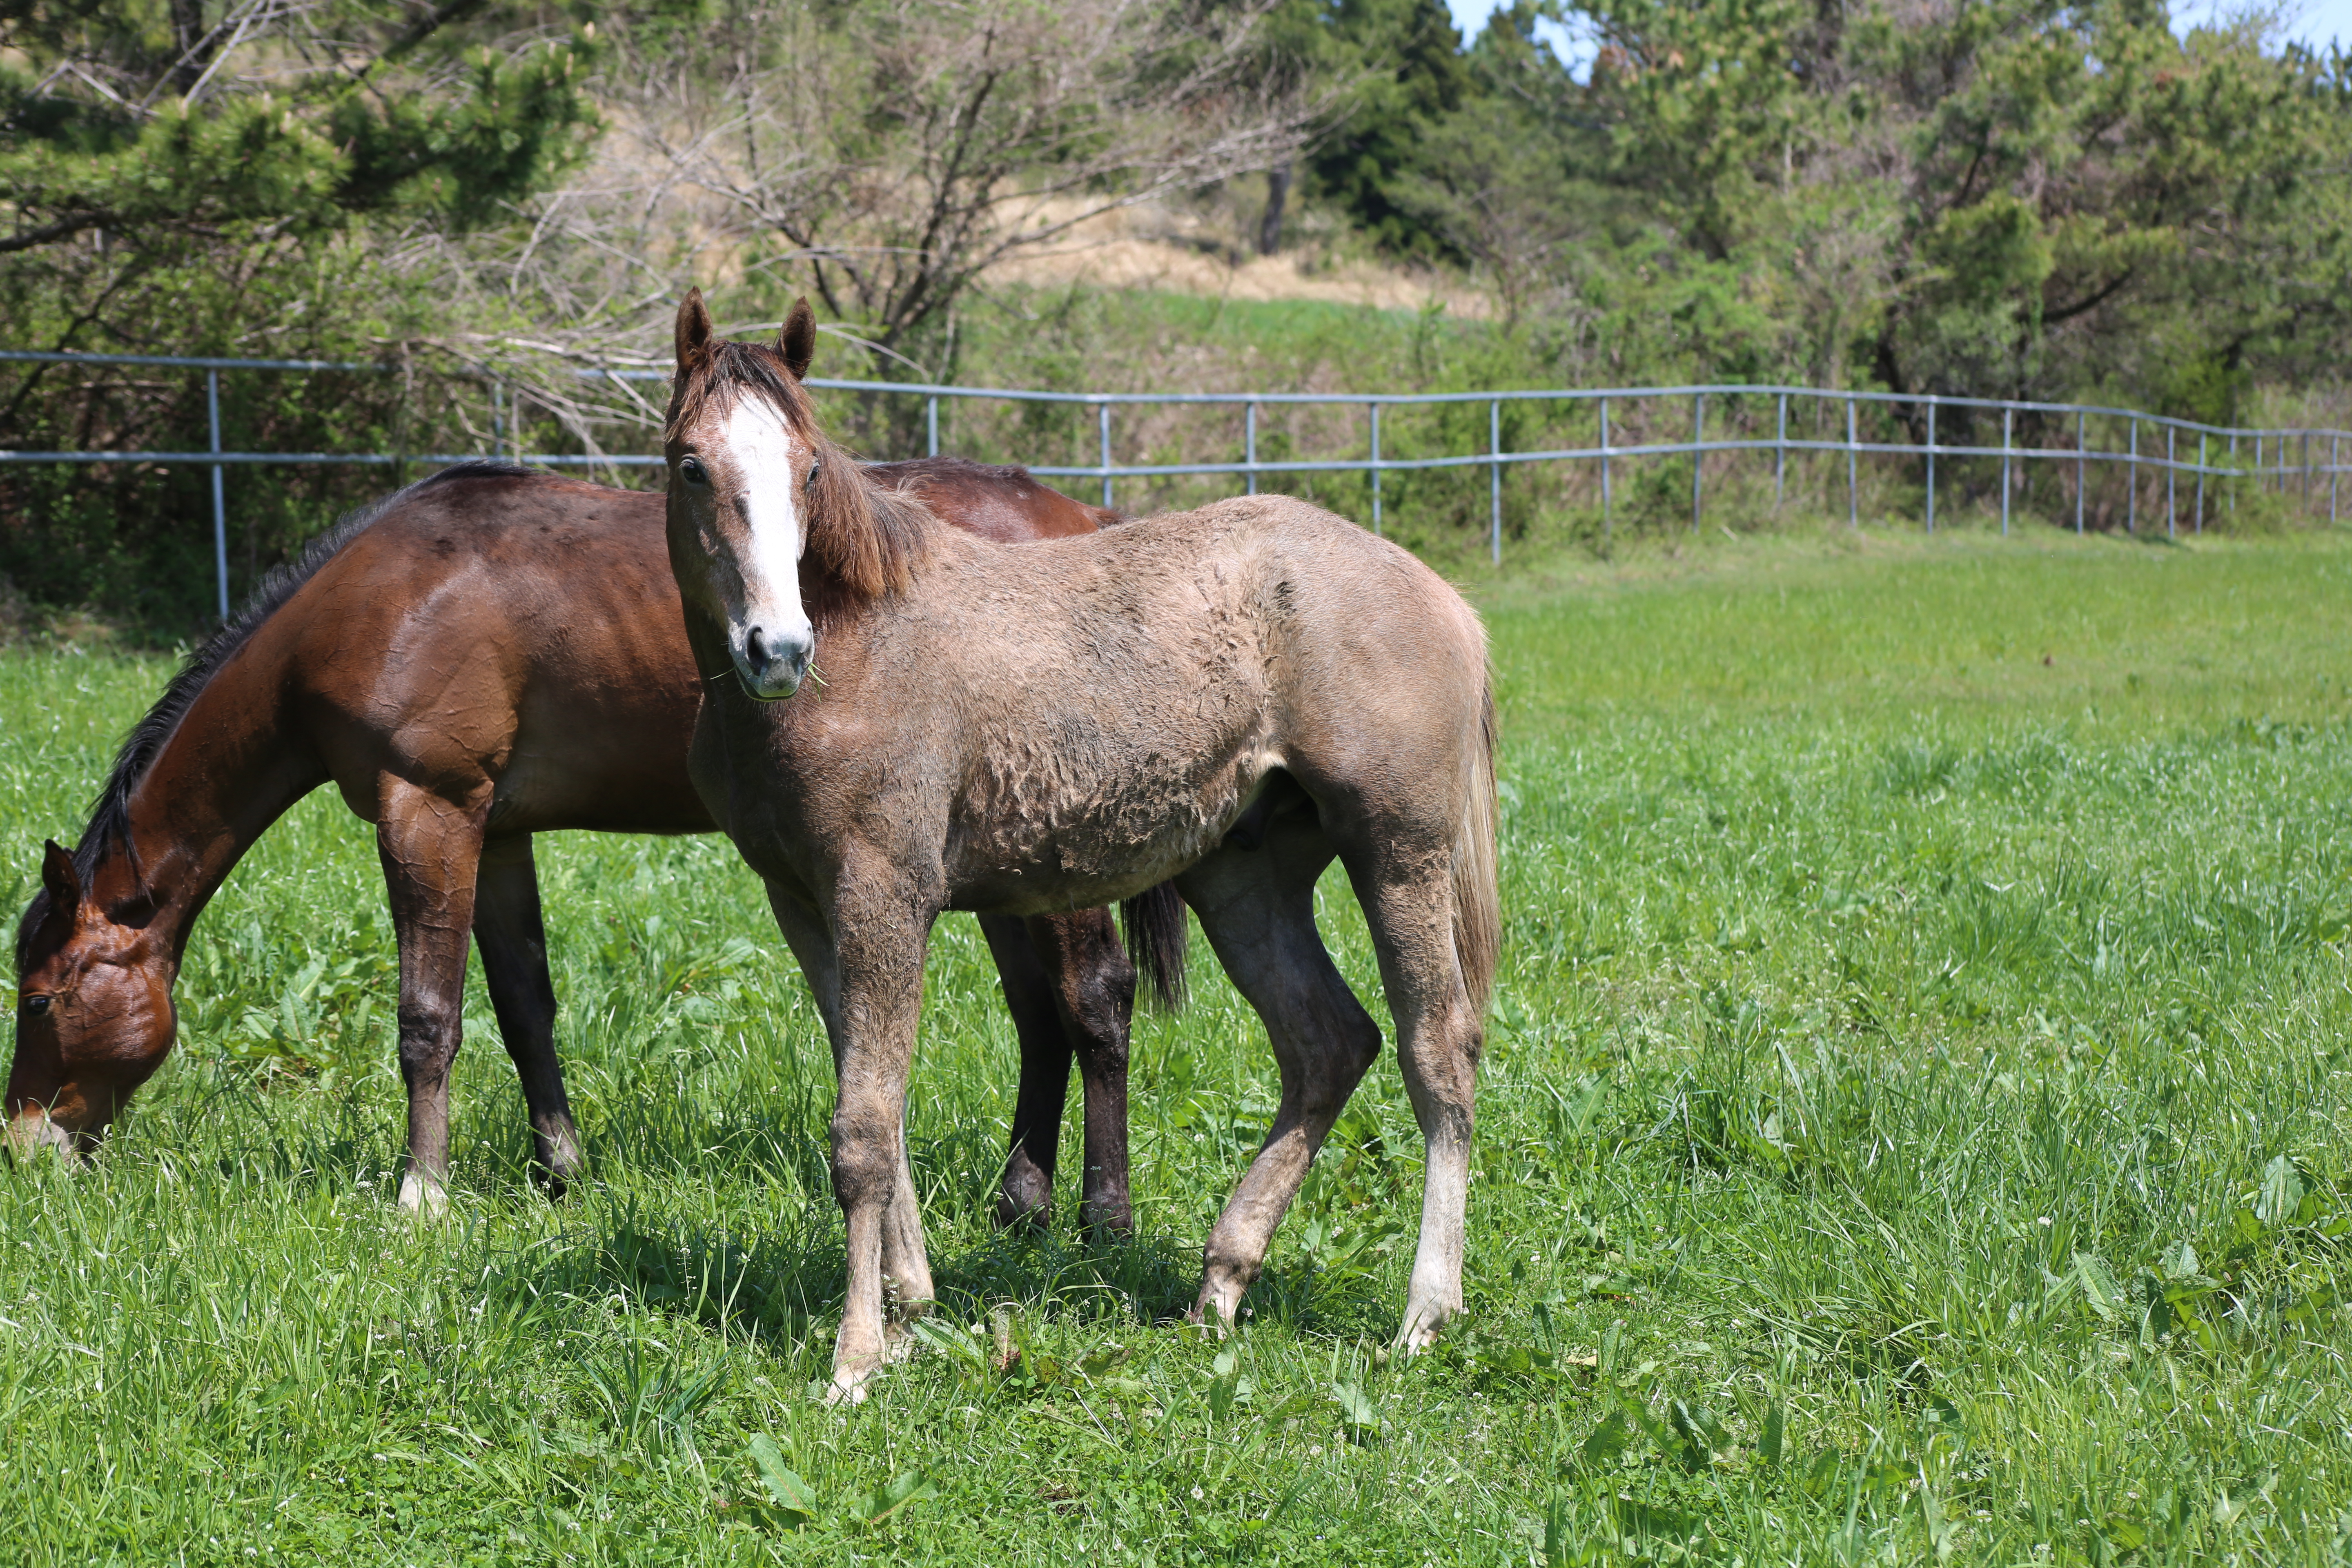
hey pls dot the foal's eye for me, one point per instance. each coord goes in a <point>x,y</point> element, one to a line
<point>809,483</point>
<point>36,1006</point>
<point>691,470</point>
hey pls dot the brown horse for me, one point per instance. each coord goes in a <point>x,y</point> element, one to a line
<point>487,654</point>
<point>1231,697</point>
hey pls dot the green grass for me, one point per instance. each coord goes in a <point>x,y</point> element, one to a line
<point>1914,1124</point>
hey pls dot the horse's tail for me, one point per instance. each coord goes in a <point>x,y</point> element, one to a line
<point>1477,901</point>
<point>1157,933</point>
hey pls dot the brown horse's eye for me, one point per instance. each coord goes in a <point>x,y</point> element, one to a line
<point>36,1006</point>
<point>811,483</point>
<point>691,470</point>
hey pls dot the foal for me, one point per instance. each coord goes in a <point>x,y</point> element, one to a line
<point>1231,698</point>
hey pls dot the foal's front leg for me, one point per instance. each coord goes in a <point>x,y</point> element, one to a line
<point>865,964</point>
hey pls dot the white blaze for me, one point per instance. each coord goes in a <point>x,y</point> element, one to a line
<point>760,448</point>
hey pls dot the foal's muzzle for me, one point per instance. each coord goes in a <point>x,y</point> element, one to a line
<point>772,664</point>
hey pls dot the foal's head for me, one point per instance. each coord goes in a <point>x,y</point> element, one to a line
<point>94,1015</point>
<point>772,526</point>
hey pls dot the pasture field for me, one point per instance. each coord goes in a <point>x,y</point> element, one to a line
<point>1913,1128</point>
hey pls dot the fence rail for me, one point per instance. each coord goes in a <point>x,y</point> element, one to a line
<point>2217,455</point>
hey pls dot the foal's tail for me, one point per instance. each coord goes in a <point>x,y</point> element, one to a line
<point>1477,903</point>
<point>1157,933</point>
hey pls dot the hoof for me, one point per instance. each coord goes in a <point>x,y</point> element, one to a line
<point>554,1181</point>
<point>849,1386</point>
<point>1211,1317</point>
<point>1112,1221</point>
<point>898,1342</point>
<point>560,1164</point>
<point>420,1197</point>
<point>1420,1329</point>
<point>1025,1200</point>
<point>1011,1217</point>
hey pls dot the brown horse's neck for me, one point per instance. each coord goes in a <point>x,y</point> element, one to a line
<point>230,768</point>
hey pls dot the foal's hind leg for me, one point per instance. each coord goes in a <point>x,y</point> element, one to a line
<point>513,943</point>
<point>431,849</point>
<point>1257,907</point>
<point>1409,904</point>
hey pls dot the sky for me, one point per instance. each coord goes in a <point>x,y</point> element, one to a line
<point>2314,22</point>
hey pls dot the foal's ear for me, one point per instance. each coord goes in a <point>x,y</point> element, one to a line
<point>58,876</point>
<point>693,330</point>
<point>797,341</point>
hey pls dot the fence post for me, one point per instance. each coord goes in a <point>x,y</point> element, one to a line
<point>1931,463</point>
<point>931,420</point>
<point>2171,478</point>
<point>2131,483</point>
<point>2078,472</point>
<point>1853,479</point>
<point>2233,473</point>
<point>2007,415</point>
<point>2307,470</point>
<point>220,506</point>
<point>1376,468</point>
<point>1105,451</point>
<point>1780,454</point>
<point>2332,441</point>
<point>2201,481</point>
<point>498,419</point>
<point>1604,467</point>
<point>1494,446</point>
<point>1699,459</point>
<point>1249,445</point>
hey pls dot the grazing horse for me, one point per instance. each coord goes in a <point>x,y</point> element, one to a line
<point>1231,698</point>
<point>489,653</point>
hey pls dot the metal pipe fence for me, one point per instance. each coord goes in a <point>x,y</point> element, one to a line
<point>1914,411</point>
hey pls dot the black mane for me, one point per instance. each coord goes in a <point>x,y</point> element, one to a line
<point>109,814</point>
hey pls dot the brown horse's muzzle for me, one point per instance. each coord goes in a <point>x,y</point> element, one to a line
<point>65,1109</point>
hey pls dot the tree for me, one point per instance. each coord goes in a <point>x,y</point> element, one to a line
<point>1492,181</point>
<point>241,176</point>
<point>1400,68</point>
<point>259,120</point>
<point>885,155</point>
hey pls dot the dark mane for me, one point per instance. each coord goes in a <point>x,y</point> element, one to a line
<point>109,814</point>
<point>864,538</point>
<point>725,371</point>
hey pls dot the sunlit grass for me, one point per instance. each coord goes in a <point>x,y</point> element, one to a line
<point>1914,1122</point>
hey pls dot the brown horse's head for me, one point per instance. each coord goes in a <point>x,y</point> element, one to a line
<point>94,1017</point>
<point>769,521</point>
